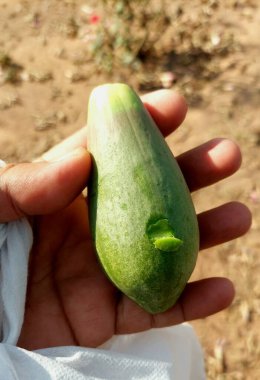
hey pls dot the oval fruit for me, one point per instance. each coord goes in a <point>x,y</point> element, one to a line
<point>142,217</point>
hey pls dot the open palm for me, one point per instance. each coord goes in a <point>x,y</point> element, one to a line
<point>69,299</point>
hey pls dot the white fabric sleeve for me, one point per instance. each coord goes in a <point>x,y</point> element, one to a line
<point>15,238</point>
<point>172,353</point>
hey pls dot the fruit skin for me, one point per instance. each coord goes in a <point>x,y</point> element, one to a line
<point>135,183</point>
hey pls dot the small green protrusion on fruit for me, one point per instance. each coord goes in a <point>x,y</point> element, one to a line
<point>160,233</point>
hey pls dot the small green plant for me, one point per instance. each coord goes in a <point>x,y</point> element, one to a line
<point>127,32</point>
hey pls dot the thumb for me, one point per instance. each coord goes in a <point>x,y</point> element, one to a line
<point>42,187</point>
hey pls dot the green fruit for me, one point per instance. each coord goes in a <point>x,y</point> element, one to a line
<point>142,217</point>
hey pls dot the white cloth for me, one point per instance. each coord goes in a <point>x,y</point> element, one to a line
<point>158,354</point>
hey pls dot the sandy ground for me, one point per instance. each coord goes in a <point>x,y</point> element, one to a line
<point>48,101</point>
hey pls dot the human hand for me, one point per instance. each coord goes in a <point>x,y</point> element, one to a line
<point>69,299</point>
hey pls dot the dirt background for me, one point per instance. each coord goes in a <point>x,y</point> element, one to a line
<point>45,80</point>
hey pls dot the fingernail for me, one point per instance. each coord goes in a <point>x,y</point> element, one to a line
<point>2,164</point>
<point>221,149</point>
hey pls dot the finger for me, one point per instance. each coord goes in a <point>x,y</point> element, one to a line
<point>198,300</point>
<point>78,139</point>
<point>167,108</point>
<point>42,187</point>
<point>223,223</point>
<point>210,162</point>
